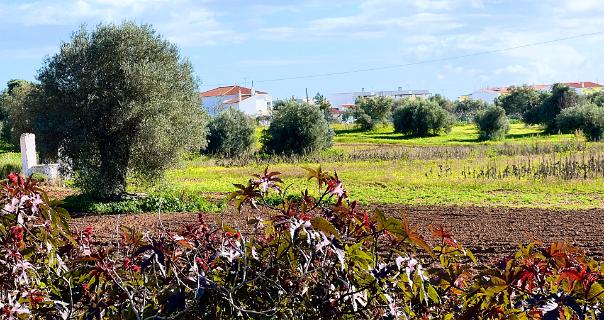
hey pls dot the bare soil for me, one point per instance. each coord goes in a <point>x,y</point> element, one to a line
<point>489,232</point>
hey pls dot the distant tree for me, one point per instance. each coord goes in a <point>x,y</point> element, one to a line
<point>519,100</point>
<point>442,101</point>
<point>324,105</point>
<point>231,133</point>
<point>596,98</point>
<point>492,122</point>
<point>587,117</point>
<point>561,97</point>
<point>15,104</point>
<point>369,112</point>
<point>297,128</point>
<point>466,110</point>
<point>118,100</point>
<point>278,104</point>
<point>421,118</point>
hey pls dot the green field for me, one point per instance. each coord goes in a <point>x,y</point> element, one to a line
<point>463,134</point>
<point>426,179</point>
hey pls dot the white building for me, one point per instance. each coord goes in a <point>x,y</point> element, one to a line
<point>253,103</point>
<point>490,94</point>
<point>346,99</point>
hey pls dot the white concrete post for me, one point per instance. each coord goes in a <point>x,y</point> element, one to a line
<point>28,152</point>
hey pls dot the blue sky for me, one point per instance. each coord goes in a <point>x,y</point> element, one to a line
<point>237,41</point>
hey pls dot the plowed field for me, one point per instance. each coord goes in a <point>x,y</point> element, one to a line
<point>489,232</point>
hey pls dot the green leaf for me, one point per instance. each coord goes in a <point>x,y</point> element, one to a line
<point>433,295</point>
<point>325,226</point>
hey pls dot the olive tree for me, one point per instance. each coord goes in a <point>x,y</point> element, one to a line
<point>369,112</point>
<point>231,134</point>
<point>421,118</point>
<point>561,97</point>
<point>15,104</point>
<point>587,117</point>
<point>492,123</point>
<point>297,128</point>
<point>519,100</point>
<point>118,100</point>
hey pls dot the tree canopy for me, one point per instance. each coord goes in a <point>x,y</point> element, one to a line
<point>561,97</point>
<point>369,112</point>
<point>118,100</point>
<point>519,100</point>
<point>297,128</point>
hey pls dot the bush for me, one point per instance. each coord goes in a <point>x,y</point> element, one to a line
<point>118,100</point>
<point>231,134</point>
<point>588,117</point>
<point>492,123</point>
<point>320,257</point>
<point>297,128</point>
<point>466,110</point>
<point>369,112</point>
<point>421,118</point>
<point>163,201</point>
<point>561,97</point>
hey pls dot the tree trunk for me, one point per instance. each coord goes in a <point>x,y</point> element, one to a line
<point>114,158</point>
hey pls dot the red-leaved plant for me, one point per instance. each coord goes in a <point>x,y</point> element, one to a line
<point>321,256</point>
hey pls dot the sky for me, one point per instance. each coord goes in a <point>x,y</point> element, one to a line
<point>437,44</point>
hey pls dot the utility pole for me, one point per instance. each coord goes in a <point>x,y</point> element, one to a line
<point>307,101</point>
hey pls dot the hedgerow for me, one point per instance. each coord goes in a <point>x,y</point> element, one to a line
<point>321,256</point>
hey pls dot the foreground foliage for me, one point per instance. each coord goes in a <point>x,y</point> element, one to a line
<point>321,256</point>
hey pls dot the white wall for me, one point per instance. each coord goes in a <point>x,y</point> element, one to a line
<point>258,104</point>
<point>211,103</point>
<point>486,96</point>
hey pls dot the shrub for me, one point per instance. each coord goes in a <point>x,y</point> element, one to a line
<point>492,123</point>
<point>369,112</point>
<point>421,118</point>
<point>231,134</point>
<point>161,201</point>
<point>297,128</point>
<point>320,257</point>
<point>118,100</point>
<point>561,97</point>
<point>588,117</point>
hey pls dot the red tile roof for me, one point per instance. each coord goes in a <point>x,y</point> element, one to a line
<point>586,84</point>
<point>229,91</point>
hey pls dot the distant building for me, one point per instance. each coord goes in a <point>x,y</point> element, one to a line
<point>490,94</point>
<point>344,100</point>
<point>251,102</point>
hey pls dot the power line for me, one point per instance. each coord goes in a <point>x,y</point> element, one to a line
<point>419,62</point>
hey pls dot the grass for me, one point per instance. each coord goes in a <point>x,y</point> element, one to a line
<point>412,182</point>
<point>461,134</point>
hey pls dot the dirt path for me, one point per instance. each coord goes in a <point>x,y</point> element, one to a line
<point>489,232</point>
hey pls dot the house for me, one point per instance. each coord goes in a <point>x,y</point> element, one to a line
<point>251,102</point>
<point>342,100</point>
<point>490,94</point>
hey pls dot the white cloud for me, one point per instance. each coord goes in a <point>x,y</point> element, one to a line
<point>187,22</point>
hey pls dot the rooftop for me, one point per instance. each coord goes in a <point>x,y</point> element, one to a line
<point>229,91</point>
